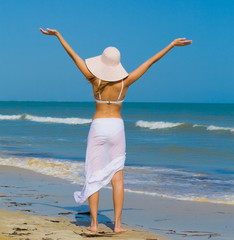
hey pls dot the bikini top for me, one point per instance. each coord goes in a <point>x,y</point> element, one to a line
<point>102,101</point>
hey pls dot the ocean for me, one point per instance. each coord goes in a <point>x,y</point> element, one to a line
<point>182,151</point>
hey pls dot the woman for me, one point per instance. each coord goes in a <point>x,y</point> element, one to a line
<point>105,154</point>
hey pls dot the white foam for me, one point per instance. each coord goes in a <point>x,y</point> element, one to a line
<point>212,127</point>
<point>215,128</point>
<point>157,125</point>
<point>58,120</point>
<point>10,117</point>
<point>32,118</point>
<point>198,125</point>
<point>64,169</point>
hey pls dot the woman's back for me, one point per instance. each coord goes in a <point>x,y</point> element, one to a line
<point>109,99</point>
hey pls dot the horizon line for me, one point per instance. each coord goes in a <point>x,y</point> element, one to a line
<point>54,101</point>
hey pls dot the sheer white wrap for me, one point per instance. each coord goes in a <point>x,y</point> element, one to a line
<point>105,155</point>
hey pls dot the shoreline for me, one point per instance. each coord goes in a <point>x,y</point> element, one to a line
<point>37,194</point>
<point>66,170</point>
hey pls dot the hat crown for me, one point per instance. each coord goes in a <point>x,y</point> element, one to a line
<point>111,56</point>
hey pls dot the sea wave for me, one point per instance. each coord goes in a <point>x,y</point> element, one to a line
<point>154,125</point>
<point>32,118</point>
<point>10,117</point>
<point>64,169</point>
<point>157,125</point>
<point>164,182</point>
<point>182,125</point>
<point>214,128</point>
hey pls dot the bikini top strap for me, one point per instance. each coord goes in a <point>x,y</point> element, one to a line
<point>120,91</point>
<point>99,91</point>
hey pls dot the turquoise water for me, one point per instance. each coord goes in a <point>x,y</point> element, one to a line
<point>175,150</point>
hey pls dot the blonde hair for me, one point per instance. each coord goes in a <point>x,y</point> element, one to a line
<point>101,87</point>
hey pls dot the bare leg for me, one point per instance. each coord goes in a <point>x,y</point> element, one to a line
<point>118,199</point>
<point>93,205</point>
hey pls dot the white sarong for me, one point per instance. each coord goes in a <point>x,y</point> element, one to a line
<point>105,155</point>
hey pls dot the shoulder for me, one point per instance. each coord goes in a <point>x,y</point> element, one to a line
<point>127,81</point>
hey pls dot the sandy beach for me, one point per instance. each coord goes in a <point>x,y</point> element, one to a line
<point>36,206</point>
<point>16,225</point>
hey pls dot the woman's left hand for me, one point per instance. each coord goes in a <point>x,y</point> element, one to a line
<point>49,31</point>
<point>181,42</point>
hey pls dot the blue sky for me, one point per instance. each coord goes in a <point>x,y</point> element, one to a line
<point>35,67</point>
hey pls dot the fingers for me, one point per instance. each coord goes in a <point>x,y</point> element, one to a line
<point>51,30</point>
<point>43,31</point>
<point>48,32</point>
<point>184,43</point>
<point>188,42</point>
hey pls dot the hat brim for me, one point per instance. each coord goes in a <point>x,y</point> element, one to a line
<point>105,72</point>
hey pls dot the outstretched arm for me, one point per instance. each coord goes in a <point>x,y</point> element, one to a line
<point>77,60</point>
<point>136,74</point>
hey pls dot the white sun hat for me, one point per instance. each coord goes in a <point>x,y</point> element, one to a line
<point>107,66</point>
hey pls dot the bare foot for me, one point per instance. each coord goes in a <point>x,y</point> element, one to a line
<point>119,230</point>
<point>92,229</point>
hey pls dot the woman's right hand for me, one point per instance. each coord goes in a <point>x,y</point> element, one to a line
<point>49,31</point>
<point>181,42</point>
